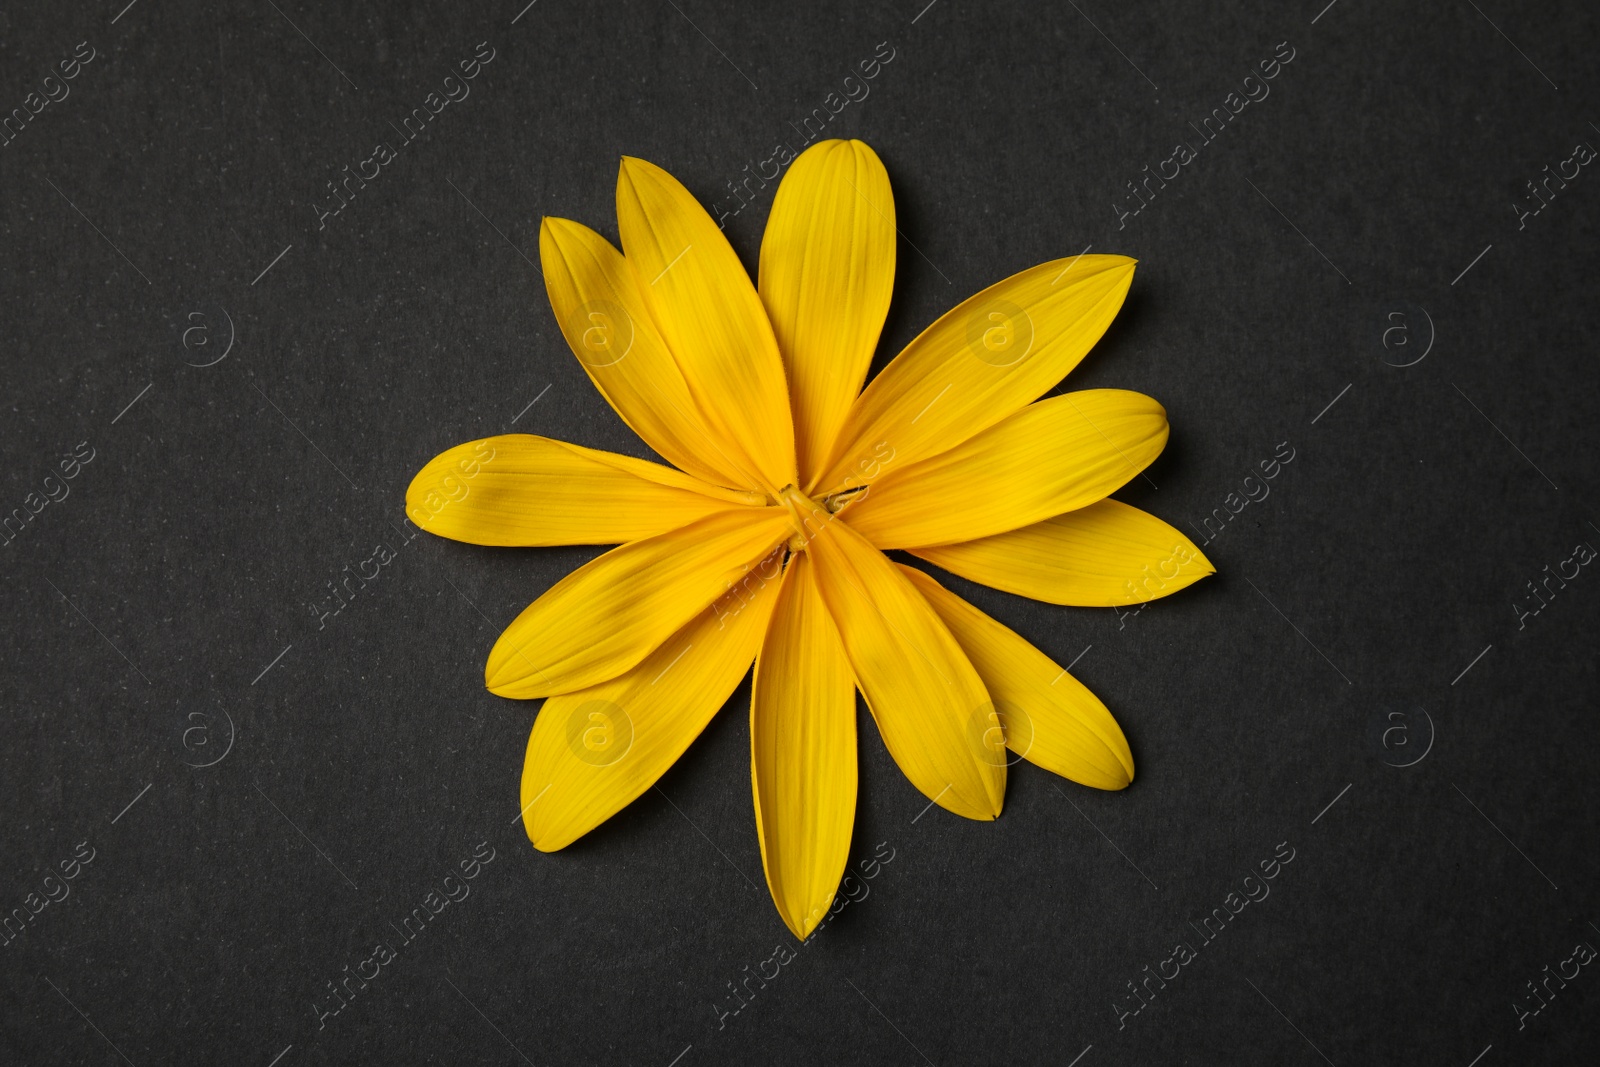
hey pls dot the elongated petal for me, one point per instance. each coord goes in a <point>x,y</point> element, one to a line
<point>923,692</point>
<point>612,612</point>
<point>980,362</point>
<point>604,318</point>
<point>594,751</point>
<point>1054,456</point>
<point>803,752</point>
<point>1049,718</point>
<point>827,271</point>
<point>1106,554</point>
<point>708,312</point>
<point>519,489</point>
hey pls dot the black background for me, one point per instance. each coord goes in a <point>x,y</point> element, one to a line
<point>163,607</point>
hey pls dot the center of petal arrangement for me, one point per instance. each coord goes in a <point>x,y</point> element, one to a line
<point>806,516</point>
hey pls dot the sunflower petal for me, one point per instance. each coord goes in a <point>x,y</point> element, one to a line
<point>592,752</point>
<point>1049,718</point>
<point>1054,456</point>
<point>803,752</point>
<point>827,272</point>
<point>923,692</point>
<point>708,311</point>
<point>1106,554</point>
<point>605,320</point>
<point>612,612</point>
<point>980,362</point>
<point>519,489</point>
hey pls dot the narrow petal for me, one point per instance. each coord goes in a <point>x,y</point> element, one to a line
<point>980,362</point>
<point>1049,718</point>
<point>1054,456</point>
<point>827,272</point>
<point>708,311</point>
<point>612,612</point>
<point>604,318</point>
<point>519,489</point>
<point>1106,554</point>
<point>803,752</point>
<point>929,703</point>
<point>594,751</point>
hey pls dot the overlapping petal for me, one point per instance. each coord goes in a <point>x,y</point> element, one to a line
<point>929,703</point>
<point>609,614</point>
<point>1048,716</point>
<point>592,752</point>
<point>827,272</point>
<point>603,316</point>
<point>1053,456</point>
<point>520,489</point>
<point>1104,555</point>
<point>803,752</point>
<point>706,308</point>
<point>978,363</point>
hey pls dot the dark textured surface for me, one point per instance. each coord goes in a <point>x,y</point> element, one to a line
<point>144,609</point>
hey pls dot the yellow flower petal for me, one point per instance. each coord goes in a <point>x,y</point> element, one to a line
<point>519,489</point>
<point>803,752</point>
<point>980,362</point>
<point>609,614</point>
<point>827,272</point>
<point>927,700</point>
<point>709,313</point>
<point>1054,456</point>
<point>591,753</point>
<point>605,320</point>
<point>1047,715</point>
<point>1106,554</point>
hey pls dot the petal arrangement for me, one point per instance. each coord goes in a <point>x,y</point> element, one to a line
<point>765,540</point>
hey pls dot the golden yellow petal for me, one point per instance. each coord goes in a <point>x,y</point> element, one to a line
<point>1054,456</point>
<point>609,614</point>
<point>803,752</point>
<point>930,705</point>
<point>1104,555</point>
<point>604,318</point>
<point>519,489</point>
<point>980,362</point>
<point>1046,714</point>
<point>827,272</point>
<point>702,301</point>
<point>592,752</point>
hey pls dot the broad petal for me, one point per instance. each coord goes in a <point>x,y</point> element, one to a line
<point>708,311</point>
<point>929,703</point>
<point>1049,718</point>
<point>827,272</point>
<point>803,752</point>
<point>1103,555</point>
<point>605,320</point>
<point>1054,456</point>
<point>519,489</point>
<point>980,362</point>
<point>592,752</point>
<point>612,612</point>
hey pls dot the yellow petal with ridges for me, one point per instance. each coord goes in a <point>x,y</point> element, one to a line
<point>980,362</point>
<point>929,704</point>
<point>1049,718</point>
<point>520,489</point>
<point>1054,456</point>
<point>803,752</point>
<point>612,612</point>
<point>706,308</point>
<point>592,752</point>
<point>827,272</point>
<point>600,311</point>
<point>1104,555</point>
